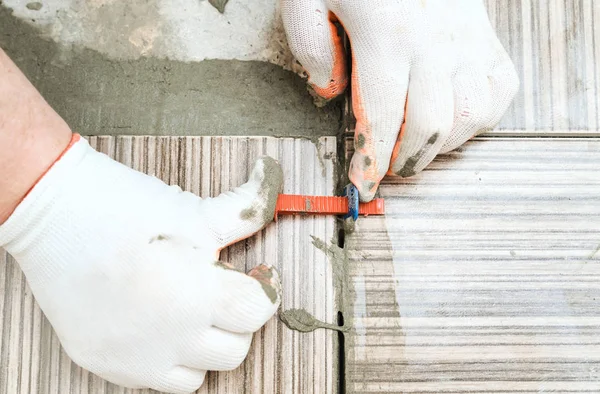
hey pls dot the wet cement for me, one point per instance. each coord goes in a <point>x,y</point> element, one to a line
<point>271,186</point>
<point>98,95</point>
<point>301,320</point>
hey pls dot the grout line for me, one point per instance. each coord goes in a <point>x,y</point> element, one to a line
<point>341,355</point>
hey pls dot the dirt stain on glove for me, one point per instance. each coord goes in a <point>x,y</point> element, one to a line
<point>219,4</point>
<point>248,213</point>
<point>159,237</point>
<point>360,141</point>
<point>410,164</point>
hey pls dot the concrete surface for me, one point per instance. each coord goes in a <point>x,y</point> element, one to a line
<point>185,30</point>
<point>87,63</point>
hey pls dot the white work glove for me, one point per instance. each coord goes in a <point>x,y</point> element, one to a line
<point>444,54</point>
<point>125,269</point>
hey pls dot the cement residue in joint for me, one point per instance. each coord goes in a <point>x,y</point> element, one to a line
<point>349,226</point>
<point>339,261</point>
<point>99,95</point>
<point>301,320</point>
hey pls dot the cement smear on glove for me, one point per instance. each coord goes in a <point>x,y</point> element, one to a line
<point>271,187</point>
<point>264,275</point>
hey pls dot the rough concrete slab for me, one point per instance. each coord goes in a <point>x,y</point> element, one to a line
<point>176,29</point>
<point>102,95</point>
<point>280,360</point>
<point>484,274</point>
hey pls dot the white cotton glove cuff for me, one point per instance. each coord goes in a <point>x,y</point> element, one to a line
<point>42,225</point>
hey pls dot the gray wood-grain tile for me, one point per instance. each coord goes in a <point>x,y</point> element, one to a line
<point>280,361</point>
<point>555,46</point>
<point>484,274</point>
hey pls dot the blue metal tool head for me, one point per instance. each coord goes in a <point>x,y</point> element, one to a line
<point>351,192</point>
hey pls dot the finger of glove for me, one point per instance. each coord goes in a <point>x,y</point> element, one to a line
<point>238,214</point>
<point>217,350</point>
<point>504,85</point>
<point>481,102</point>
<point>472,104</point>
<point>180,380</point>
<point>247,302</point>
<point>314,41</point>
<point>379,86</point>
<point>429,117</point>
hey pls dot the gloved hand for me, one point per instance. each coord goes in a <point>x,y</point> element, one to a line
<point>125,268</point>
<point>444,54</point>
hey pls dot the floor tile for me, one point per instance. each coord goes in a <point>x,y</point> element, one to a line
<point>280,360</point>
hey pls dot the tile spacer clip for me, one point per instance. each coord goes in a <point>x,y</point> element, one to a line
<point>349,205</point>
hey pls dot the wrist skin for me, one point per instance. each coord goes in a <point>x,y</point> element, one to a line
<point>32,136</point>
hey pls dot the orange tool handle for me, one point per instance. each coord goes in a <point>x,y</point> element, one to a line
<point>289,204</point>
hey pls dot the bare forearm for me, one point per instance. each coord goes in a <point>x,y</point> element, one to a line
<point>32,136</point>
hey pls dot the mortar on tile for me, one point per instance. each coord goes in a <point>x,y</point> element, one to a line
<point>301,320</point>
